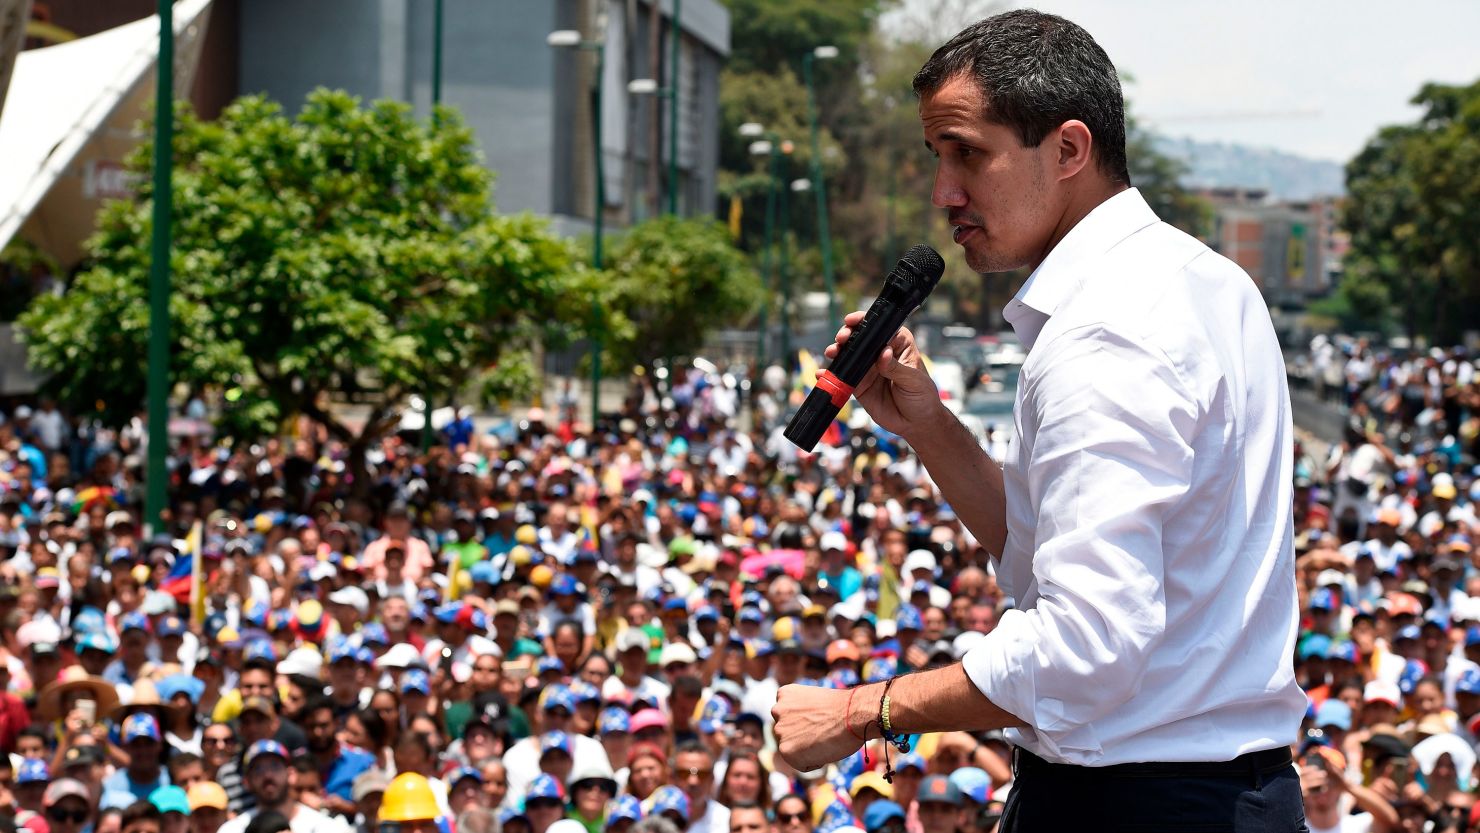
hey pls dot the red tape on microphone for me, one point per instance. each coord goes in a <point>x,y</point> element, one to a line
<point>835,387</point>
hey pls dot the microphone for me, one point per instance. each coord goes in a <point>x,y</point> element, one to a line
<point>911,281</point>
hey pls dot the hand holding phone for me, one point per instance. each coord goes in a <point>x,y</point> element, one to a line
<point>89,711</point>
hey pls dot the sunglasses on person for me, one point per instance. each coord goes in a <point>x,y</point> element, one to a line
<point>790,818</point>
<point>61,815</point>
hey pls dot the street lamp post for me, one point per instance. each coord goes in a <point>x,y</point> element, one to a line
<point>673,111</point>
<point>569,38</point>
<point>764,147</point>
<point>824,237</point>
<point>426,408</point>
<point>158,383</point>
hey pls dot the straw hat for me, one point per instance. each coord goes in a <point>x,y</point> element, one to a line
<point>146,698</point>
<point>74,679</point>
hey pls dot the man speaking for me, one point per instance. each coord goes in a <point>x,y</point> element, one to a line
<point>1142,517</point>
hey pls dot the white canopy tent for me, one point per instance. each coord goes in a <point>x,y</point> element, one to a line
<point>71,116</point>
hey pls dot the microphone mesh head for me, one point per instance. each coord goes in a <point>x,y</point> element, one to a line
<point>925,261</point>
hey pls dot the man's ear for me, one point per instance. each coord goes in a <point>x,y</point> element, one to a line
<point>1074,145</point>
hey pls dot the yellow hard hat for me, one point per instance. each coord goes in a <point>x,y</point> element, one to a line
<point>408,798</point>
<point>541,575</point>
<point>521,556</point>
<point>526,535</point>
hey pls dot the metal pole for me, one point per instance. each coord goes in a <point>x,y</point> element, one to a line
<point>426,427</point>
<point>673,113</point>
<point>159,271</point>
<point>597,224</point>
<point>770,257</point>
<point>785,258</point>
<point>824,237</point>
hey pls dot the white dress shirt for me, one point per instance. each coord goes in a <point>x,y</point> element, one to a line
<point>1149,528</point>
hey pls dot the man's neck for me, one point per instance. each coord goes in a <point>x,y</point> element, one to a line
<point>1079,207</point>
<point>143,777</point>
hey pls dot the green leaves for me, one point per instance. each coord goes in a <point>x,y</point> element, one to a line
<point>1413,213</point>
<point>669,281</point>
<point>353,242</point>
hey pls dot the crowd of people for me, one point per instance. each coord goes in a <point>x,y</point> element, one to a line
<point>558,629</point>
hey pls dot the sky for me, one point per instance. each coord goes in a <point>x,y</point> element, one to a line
<point>1311,77</point>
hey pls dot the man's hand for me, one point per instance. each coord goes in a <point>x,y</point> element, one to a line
<point>811,728</point>
<point>896,392</point>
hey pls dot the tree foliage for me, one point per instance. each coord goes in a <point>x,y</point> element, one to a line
<point>348,249</point>
<point>1413,213</point>
<point>669,282</point>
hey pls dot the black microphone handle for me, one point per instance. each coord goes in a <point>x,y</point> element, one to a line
<point>907,286</point>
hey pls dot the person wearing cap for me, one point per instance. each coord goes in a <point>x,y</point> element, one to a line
<point>464,789</point>
<point>591,791</point>
<point>174,809</point>
<point>834,569</point>
<point>882,816</point>
<point>68,806</point>
<point>544,803</point>
<point>272,781</point>
<point>672,803</point>
<point>622,814</point>
<point>940,805</point>
<point>632,680</point>
<point>141,738</point>
<point>132,662</point>
<point>369,792</point>
<point>523,760</point>
<point>207,804</point>
<point>258,722</point>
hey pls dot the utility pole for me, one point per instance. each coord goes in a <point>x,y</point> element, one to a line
<point>159,272</point>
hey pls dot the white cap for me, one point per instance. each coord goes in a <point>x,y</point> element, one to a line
<point>1383,690</point>
<point>400,655</point>
<point>833,540</point>
<point>940,597</point>
<point>1330,577</point>
<point>632,638</point>
<point>917,560</point>
<point>116,517</point>
<point>353,597</point>
<point>886,629</point>
<point>322,570</point>
<point>23,412</point>
<point>305,661</point>
<point>482,646</point>
<point>677,652</point>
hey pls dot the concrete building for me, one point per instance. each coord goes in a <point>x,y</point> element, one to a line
<point>1292,250</point>
<point>528,103</point>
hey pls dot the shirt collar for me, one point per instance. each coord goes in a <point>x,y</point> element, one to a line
<point>1099,231</point>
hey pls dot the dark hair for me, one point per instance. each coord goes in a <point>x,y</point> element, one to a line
<point>179,761</point>
<point>693,747</point>
<point>315,701</point>
<point>1036,72</point>
<point>764,796</point>
<point>375,727</point>
<point>140,811</point>
<point>688,684</point>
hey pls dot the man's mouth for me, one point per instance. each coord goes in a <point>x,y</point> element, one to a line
<point>961,231</point>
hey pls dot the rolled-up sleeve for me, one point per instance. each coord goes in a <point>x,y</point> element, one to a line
<point>1110,453</point>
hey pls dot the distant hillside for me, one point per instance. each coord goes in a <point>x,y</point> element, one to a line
<point>1287,176</point>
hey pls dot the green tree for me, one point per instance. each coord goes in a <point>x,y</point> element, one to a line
<point>671,281</point>
<point>349,249</point>
<point>1413,213</point>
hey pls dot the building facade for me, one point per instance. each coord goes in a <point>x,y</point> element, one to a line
<point>1292,249</point>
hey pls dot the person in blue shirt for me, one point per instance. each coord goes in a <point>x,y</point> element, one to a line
<point>838,573</point>
<point>338,763</point>
<point>145,746</point>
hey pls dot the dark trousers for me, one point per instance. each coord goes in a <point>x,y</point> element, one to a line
<point>1255,794</point>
